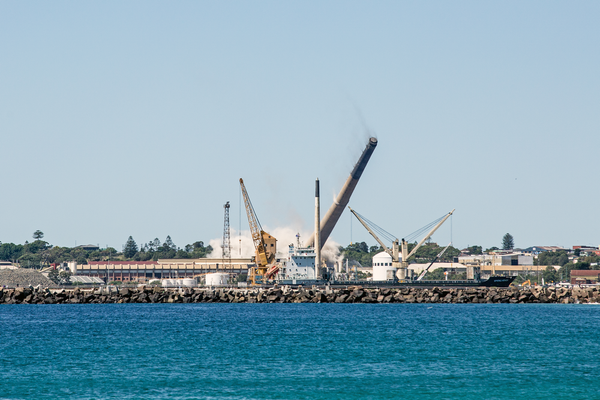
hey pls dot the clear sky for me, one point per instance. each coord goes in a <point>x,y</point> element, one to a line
<point>139,117</point>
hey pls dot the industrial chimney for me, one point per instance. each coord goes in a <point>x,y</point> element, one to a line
<point>335,211</point>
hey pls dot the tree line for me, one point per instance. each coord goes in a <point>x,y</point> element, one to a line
<point>153,250</point>
<point>40,253</point>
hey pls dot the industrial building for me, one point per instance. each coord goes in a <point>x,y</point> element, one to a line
<point>147,271</point>
<point>501,262</point>
<point>497,259</point>
<point>585,277</point>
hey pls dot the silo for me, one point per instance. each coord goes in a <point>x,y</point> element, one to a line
<point>217,279</point>
<point>382,263</point>
<point>188,282</point>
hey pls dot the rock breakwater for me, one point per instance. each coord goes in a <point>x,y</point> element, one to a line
<point>301,295</point>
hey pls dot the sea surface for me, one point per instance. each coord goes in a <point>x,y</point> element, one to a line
<point>300,351</point>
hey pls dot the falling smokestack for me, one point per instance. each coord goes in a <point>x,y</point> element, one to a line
<point>341,201</point>
<point>317,229</point>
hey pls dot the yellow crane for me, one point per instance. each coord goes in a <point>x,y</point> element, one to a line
<point>258,275</point>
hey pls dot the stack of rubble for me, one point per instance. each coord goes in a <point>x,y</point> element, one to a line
<point>23,277</point>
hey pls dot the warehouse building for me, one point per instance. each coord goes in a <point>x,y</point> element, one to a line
<point>147,271</point>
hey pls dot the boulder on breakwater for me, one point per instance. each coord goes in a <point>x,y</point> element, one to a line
<point>301,295</point>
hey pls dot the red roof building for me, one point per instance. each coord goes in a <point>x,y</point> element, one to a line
<point>584,276</point>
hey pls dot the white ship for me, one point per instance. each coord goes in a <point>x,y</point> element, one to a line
<point>298,268</point>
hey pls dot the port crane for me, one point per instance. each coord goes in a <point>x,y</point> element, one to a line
<point>422,275</point>
<point>264,258</point>
<point>401,266</point>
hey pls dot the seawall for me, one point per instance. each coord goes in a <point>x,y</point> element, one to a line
<point>301,295</point>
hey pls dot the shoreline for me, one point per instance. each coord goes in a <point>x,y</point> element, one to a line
<point>512,295</point>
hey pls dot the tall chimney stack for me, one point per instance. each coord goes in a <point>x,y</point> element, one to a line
<point>342,199</point>
<point>317,229</point>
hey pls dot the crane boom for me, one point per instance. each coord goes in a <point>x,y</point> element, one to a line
<point>394,251</point>
<point>255,228</point>
<point>385,248</point>
<point>435,228</point>
<point>434,260</point>
<point>263,257</point>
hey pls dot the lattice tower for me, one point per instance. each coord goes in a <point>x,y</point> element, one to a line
<point>226,246</point>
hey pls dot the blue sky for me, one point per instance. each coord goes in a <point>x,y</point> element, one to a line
<point>138,118</point>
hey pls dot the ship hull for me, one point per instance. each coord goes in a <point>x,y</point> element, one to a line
<point>494,281</point>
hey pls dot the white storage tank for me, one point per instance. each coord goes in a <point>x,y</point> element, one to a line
<point>217,279</point>
<point>382,263</point>
<point>188,282</point>
<point>183,282</point>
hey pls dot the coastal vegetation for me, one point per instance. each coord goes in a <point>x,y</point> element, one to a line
<point>39,253</point>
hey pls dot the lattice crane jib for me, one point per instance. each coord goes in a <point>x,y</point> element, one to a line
<point>263,257</point>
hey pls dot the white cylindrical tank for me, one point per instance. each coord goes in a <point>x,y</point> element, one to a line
<point>217,279</point>
<point>72,265</point>
<point>382,262</point>
<point>182,282</point>
<point>187,282</point>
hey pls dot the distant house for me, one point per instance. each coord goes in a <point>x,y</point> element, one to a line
<point>584,277</point>
<point>584,248</point>
<point>587,250</point>
<point>535,250</point>
<point>88,247</point>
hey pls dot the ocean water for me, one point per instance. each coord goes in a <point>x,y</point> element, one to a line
<point>300,351</point>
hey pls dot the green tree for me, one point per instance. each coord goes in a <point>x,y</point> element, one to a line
<point>361,253</point>
<point>550,275</point>
<point>429,251</point>
<point>168,244</point>
<point>31,260</point>
<point>64,277</point>
<point>182,254</point>
<point>565,271</point>
<point>36,246</point>
<point>10,251</point>
<point>508,242</point>
<point>582,265</point>
<point>109,253</point>
<point>475,250</point>
<point>53,276</point>
<point>130,248</point>
<point>199,250</point>
<point>37,235</point>
<point>559,257</point>
<point>435,275</point>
